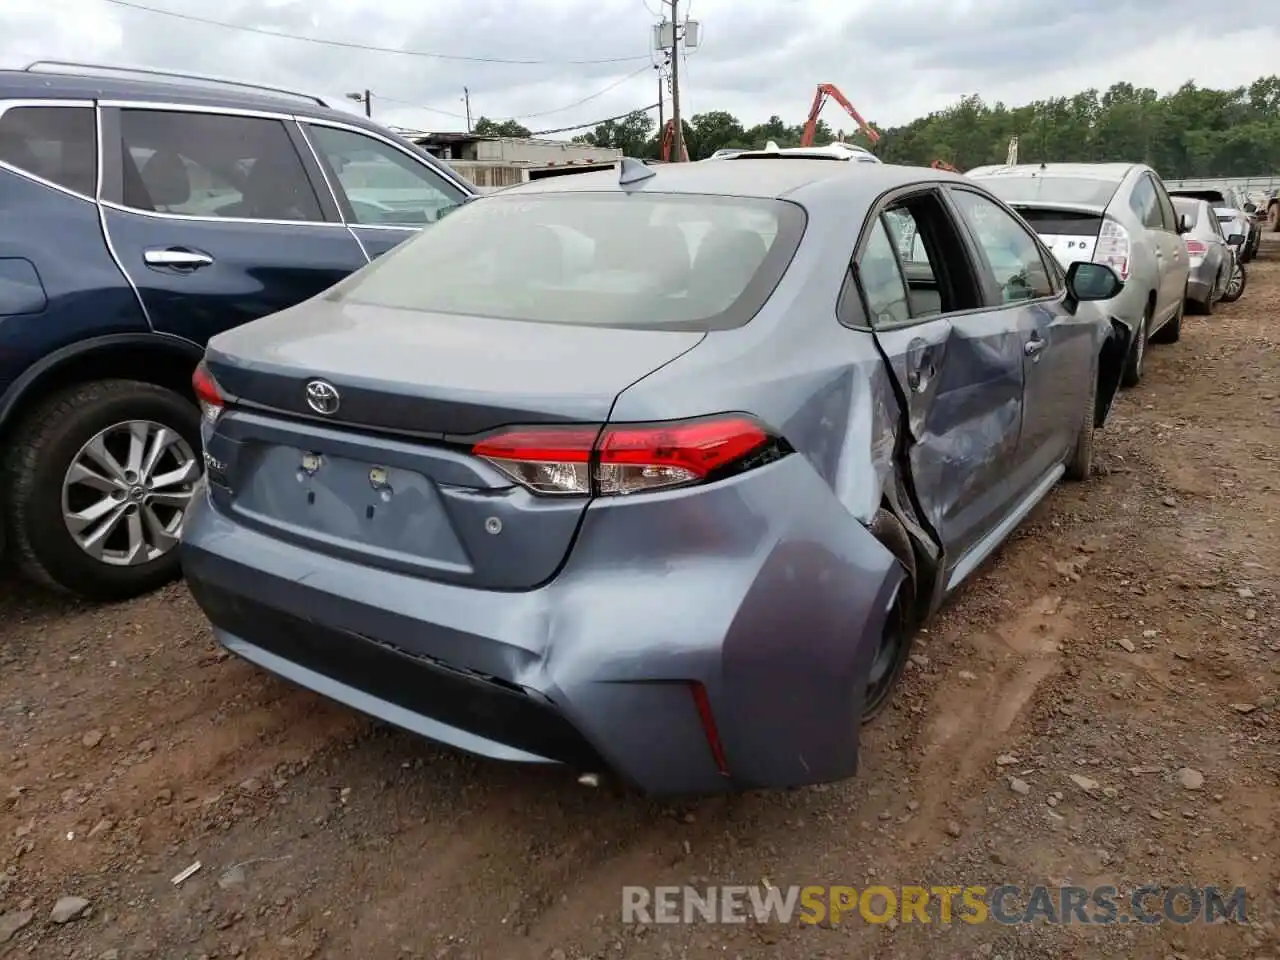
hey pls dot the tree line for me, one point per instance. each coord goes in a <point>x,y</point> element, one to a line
<point>1192,132</point>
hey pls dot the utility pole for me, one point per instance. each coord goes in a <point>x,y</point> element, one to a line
<point>677,141</point>
<point>661,103</point>
<point>366,98</point>
<point>466,97</point>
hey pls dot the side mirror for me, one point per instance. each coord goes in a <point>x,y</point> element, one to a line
<point>1250,208</point>
<point>1184,223</point>
<point>1236,239</point>
<point>1092,281</point>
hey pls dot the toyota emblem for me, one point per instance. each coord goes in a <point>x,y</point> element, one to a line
<point>323,397</point>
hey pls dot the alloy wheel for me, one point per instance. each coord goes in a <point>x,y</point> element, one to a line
<point>126,493</point>
<point>1236,281</point>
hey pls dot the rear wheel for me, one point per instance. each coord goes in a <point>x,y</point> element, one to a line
<point>1235,283</point>
<point>1137,352</point>
<point>894,647</point>
<point>98,479</point>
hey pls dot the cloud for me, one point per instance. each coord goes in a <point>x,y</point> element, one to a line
<point>895,61</point>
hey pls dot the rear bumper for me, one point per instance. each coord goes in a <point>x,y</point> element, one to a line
<point>1198,288</point>
<point>762,589</point>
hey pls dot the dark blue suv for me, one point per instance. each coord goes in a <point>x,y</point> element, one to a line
<point>140,214</point>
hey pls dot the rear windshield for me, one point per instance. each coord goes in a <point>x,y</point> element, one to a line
<point>1211,196</point>
<point>1014,190</point>
<point>601,259</point>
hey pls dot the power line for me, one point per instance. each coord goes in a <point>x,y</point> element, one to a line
<point>529,116</point>
<point>594,123</point>
<point>351,45</point>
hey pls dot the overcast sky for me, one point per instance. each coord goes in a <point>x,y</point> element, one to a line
<point>895,59</point>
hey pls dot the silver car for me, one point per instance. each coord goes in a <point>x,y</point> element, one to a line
<point>1212,258</point>
<point>1114,213</point>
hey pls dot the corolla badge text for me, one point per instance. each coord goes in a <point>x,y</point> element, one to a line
<point>323,397</point>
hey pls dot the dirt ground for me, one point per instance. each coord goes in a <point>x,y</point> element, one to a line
<point>1129,631</point>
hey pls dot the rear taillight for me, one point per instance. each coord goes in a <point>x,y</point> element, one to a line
<point>1113,248</point>
<point>207,393</point>
<point>628,458</point>
<point>1197,248</point>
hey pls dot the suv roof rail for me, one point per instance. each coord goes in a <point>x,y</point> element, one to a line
<point>88,69</point>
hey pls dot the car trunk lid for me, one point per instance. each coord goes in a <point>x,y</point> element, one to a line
<point>386,478</point>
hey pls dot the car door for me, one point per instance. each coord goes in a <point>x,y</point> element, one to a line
<point>214,217</point>
<point>1177,262</point>
<point>1061,344</point>
<point>957,365</point>
<point>386,193</point>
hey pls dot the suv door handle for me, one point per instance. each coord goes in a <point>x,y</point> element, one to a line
<point>176,257</point>
<point>1033,347</point>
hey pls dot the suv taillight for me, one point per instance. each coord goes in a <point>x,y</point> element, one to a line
<point>621,459</point>
<point>1113,248</point>
<point>1197,248</point>
<point>207,393</point>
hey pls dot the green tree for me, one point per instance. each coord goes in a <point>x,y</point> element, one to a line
<point>484,127</point>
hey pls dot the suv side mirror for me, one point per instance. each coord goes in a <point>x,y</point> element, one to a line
<point>1184,223</point>
<point>1092,281</point>
<point>1236,239</point>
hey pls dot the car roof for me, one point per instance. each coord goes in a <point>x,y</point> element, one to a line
<point>1111,172</point>
<point>763,177</point>
<point>32,85</point>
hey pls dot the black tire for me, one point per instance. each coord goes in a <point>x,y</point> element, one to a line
<point>900,626</point>
<point>1132,374</point>
<point>1171,332</point>
<point>1080,466</point>
<point>42,451</point>
<point>1227,295</point>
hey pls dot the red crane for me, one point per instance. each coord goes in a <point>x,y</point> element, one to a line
<point>668,138</point>
<point>826,90</point>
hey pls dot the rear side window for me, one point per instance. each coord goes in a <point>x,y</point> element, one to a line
<point>1144,202</point>
<point>59,144</point>
<point>1189,210</point>
<point>213,165</point>
<point>687,262</point>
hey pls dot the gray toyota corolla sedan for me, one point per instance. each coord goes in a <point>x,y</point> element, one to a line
<point>651,471</point>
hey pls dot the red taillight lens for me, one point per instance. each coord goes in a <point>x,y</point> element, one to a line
<point>207,393</point>
<point>625,458</point>
<point>1197,248</point>
<point>1112,248</point>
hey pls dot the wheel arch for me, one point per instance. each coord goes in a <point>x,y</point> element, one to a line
<point>159,359</point>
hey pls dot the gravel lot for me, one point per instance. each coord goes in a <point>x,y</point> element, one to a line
<point>1128,632</point>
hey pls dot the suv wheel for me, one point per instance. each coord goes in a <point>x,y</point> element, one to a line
<point>99,479</point>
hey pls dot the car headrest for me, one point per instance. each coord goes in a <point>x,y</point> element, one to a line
<point>166,180</point>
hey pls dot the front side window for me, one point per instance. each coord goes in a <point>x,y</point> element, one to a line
<point>1011,250</point>
<point>58,144</point>
<point>596,259</point>
<point>213,165</point>
<point>383,185</point>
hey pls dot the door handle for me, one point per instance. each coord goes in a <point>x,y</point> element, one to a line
<point>176,257</point>
<point>1033,347</point>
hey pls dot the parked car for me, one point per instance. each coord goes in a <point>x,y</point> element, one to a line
<point>456,490</point>
<point>832,151</point>
<point>1229,207</point>
<point>144,213</point>
<point>1113,213</point>
<point>1212,259</point>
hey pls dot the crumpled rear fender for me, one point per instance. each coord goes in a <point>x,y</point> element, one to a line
<point>1111,361</point>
